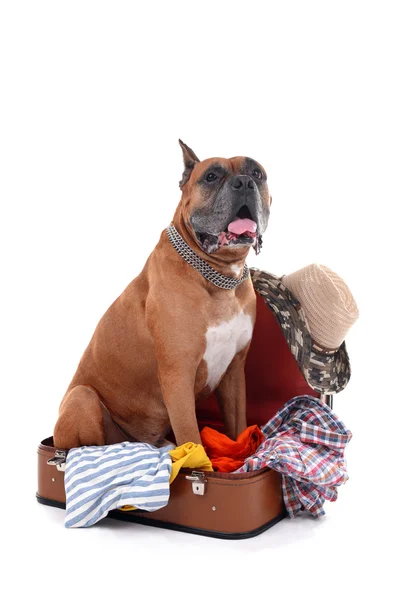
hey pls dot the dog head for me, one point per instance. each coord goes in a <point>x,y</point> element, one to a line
<point>226,202</point>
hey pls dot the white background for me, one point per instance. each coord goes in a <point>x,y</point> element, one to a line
<point>94,96</point>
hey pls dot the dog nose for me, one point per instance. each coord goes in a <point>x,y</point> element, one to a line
<point>242,181</point>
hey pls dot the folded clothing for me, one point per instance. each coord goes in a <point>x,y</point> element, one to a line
<point>305,442</point>
<point>227,455</point>
<point>124,476</point>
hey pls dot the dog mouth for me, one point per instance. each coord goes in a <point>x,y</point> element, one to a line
<point>242,231</point>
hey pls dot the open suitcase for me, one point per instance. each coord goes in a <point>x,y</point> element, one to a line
<point>224,505</point>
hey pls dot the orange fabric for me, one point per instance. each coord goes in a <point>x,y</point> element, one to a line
<point>227,455</point>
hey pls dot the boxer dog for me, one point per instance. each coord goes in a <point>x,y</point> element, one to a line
<point>174,336</point>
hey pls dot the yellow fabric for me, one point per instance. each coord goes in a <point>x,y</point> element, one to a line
<point>189,455</point>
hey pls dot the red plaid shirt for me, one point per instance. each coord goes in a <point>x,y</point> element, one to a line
<point>305,442</point>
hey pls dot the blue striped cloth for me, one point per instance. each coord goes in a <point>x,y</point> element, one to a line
<point>102,478</point>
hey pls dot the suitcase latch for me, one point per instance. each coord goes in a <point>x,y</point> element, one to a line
<point>199,481</point>
<point>58,460</point>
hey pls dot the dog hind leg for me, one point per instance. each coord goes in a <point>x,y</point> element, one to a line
<point>84,421</point>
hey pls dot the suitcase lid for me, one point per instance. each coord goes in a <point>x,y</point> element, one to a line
<point>272,375</point>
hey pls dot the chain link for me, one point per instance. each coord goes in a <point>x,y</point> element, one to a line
<point>221,281</point>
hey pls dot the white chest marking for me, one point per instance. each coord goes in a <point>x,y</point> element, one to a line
<point>237,269</point>
<point>223,342</point>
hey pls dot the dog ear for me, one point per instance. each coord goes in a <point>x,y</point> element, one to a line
<point>189,160</point>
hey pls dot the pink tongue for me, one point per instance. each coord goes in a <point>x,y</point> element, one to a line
<point>240,226</point>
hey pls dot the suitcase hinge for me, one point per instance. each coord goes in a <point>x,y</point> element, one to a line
<point>58,460</point>
<point>199,481</point>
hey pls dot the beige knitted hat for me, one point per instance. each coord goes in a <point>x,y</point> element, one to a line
<point>328,304</point>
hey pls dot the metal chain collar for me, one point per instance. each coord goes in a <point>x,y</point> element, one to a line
<point>221,281</point>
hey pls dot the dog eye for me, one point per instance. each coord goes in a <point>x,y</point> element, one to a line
<point>257,173</point>
<point>211,177</point>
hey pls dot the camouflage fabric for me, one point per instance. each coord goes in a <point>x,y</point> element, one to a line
<point>326,371</point>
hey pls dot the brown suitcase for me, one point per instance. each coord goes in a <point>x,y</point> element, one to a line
<point>215,504</point>
<point>223,505</point>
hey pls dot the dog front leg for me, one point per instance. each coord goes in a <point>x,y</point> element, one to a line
<point>178,358</point>
<point>177,388</point>
<point>231,396</point>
